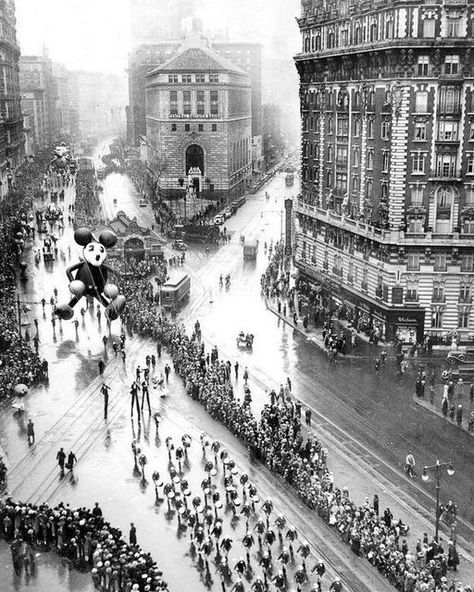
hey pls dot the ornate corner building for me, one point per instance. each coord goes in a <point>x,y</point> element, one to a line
<point>12,138</point>
<point>199,124</point>
<point>385,219</point>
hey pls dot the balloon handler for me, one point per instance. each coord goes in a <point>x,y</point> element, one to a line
<point>90,278</point>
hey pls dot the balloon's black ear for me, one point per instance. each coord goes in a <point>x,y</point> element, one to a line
<point>83,236</point>
<point>108,239</point>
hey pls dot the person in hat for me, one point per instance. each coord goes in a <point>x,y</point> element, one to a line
<point>30,432</point>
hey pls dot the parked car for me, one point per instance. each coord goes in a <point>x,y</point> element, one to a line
<point>179,245</point>
<point>219,220</point>
<point>227,213</point>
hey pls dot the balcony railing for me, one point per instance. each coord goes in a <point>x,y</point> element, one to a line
<point>438,298</point>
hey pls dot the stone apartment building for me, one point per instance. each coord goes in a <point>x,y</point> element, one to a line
<point>385,219</point>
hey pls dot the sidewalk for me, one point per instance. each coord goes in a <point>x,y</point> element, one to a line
<point>314,334</point>
<point>435,407</point>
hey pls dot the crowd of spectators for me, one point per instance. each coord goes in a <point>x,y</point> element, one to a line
<point>84,539</point>
<point>88,211</point>
<point>19,364</point>
<point>281,441</point>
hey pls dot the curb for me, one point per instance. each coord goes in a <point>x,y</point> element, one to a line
<point>432,409</point>
<point>304,334</point>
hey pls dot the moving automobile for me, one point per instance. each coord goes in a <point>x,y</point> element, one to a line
<point>179,245</point>
<point>219,220</point>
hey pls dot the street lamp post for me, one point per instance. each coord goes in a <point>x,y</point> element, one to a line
<point>436,469</point>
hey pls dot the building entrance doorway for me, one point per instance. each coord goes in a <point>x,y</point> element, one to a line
<point>194,158</point>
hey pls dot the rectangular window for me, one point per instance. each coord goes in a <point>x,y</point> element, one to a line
<point>173,102</point>
<point>385,130</point>
<point>464,292</point>
<point>187,127</point>
<point>421,102</point>
<point>418,163</point>
<point>467,262</point>
<point>200,127</point>
<point>468,226</point>
<point>341,156</point>
<point>423,65</point>
<point>451,64</point>
<point>356,157</point>
<point>200,78</point>
<point>446,165</point>
<point>330,124</point>
<point>448,131</point>
<point>469,199</point>
<point>470,163</point>
<point>214,127</point>
<point>385,161</point>
<point>439,262</point>
<point>436,318</point>
<point>174,127</point>
<point>369,188</point>
<point>413,262</point>
<point>187,102</point>
<point>200,98</point>
<point>342,126</point>
<point>463,318</point>
<point>453,26</point>
<point>449,100</point>
<point>370,158</point>
<point>213,78</point>
<point>214,102</point>
<point>173,78</point>
<point>411,294</point>
<point>417,195</point>
<point>438,293</point>
<point>186,78</point>
<point>355,184</point>
<point>429,27</point>
<point>370,128</point>
<point>420,132</point>
<point>471,131</point>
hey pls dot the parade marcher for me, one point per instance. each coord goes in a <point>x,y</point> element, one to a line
<point>105,391</point>
<point>61,458</point>
<point>30,432</point>
<point>134,399</point>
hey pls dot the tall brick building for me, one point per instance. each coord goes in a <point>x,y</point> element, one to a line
<point>199,123</point>
<point>12,141</point>
<point>385,220</point>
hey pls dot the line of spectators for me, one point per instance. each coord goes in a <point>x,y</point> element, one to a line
<point>84,539</point>
<point>278,439</point>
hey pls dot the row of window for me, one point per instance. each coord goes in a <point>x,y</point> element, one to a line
<point>446,165</point>
<point>190,78</point>
<point>358,32</point>
<point>447,130</point>
<point>198,104</point>
<point>188,128</point>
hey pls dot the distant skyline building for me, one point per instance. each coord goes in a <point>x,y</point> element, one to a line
<point>385,220</point>
<point>39,98</point>
<point>199,124</point>
<point>98,100</point>
<point>12,140</point>
<point>152,21</point>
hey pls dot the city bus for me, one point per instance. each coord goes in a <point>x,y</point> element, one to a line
<point>175,290</point>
